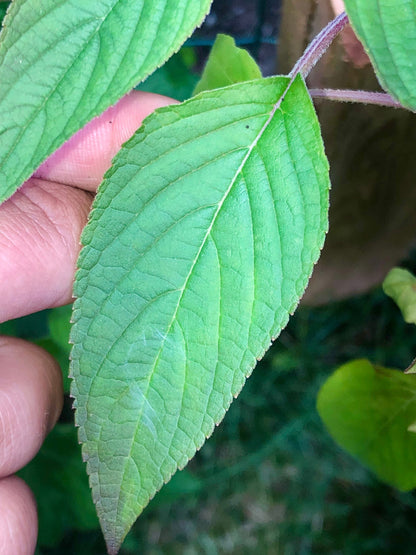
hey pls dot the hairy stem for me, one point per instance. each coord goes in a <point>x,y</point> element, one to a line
<point>363,97</point>
<point>319,46</point>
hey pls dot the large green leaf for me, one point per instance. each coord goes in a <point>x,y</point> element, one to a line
<point>388,31</point>
<point>227,64</point>
<point>62,62</point>
<point>371,412</point>
<point>201,241</point>
<point>400,285</point>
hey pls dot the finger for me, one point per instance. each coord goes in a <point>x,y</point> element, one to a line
<point>84,159</point>
<point>41,224</point>
<point>18,518</point>
<point>31,398</point>
<point>40,227</point>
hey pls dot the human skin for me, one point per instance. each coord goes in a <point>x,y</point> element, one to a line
<point>40,227</point>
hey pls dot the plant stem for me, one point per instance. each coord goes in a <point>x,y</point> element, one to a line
<point>364,97</point>
<point>319,46</point>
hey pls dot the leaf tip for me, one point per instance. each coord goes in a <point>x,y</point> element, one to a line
<point>112,548</point>
<point>113,537</point>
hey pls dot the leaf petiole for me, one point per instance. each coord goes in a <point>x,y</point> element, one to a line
<point>363,97</point>
<point>320,44</point>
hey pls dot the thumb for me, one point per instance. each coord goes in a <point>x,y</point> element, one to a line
<point>83,160</point>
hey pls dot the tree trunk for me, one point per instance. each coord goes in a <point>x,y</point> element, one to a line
<point>372,157</point>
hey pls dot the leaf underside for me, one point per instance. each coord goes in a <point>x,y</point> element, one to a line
<point>388,32</point>
<point>201,241</point>
<point>63,62</point>
<point>371,412</point>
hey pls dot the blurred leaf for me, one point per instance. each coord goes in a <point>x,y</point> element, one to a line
<point>412,368</point>
<point>31,327</point>
<point>58,479</point>
<point>60,325</point>
<point>227,64</point>
<point>387,30</point>
<point>63,63</point>
<point>9,328</point>
<point>58,344</point>
<point>400,285</point>
<point>3,9</point>
<point>175,78</point>
<point>370,411</point>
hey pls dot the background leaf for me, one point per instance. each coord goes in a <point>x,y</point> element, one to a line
<point>227,64</point>
<point>388,31</point>
<point>400,285</point>
<point>3,9</point>
<point>175,78</point>
<point>370,412</point>
<point>201,241</point>
<point>64,62</point>
<point>59,328</point>
<point>56,475</point>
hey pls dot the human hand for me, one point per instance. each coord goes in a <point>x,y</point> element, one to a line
<point>40,227</point>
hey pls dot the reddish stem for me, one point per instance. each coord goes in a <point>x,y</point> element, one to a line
<point>363,97</point>
<point>319,46</point>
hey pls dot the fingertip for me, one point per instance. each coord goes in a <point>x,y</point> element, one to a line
<point>18,518</point>
<point>31,398</point>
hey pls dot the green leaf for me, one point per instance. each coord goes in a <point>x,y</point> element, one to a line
<point>388,32</point>
<point>227,64</point>
<point>64,62</point>
<point>371,411</point>
<point>58,480</point>
<point>201,242</point>
<point>400,285</point>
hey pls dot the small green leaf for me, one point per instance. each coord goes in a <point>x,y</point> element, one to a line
<point>227,64</point>
<point>371,412</point>
<point>387,30</point>
<point>200,244</point>
<point>62,63</point>
<point>400,285</point>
